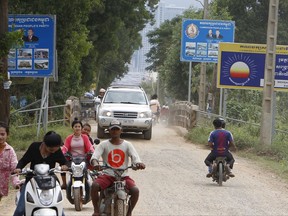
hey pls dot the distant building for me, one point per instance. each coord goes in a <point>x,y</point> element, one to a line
<point>163,13</point>
<point>138,61</point>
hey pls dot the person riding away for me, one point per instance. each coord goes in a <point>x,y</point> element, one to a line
<point>98,99</point>
<point>220,141</point>
<point>107,150</point>
<point>77,144</point>
<point>155,106</point>
<point>48,151</point>
<point>101,93</point>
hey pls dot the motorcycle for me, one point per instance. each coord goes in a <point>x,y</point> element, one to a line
<point>43,195</point>
<point>114,200</point>
<point>220,170</point>
<point>79,185</point>
<point>154,119</point>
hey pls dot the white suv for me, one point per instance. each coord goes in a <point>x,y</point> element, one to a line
<point>130,106</point>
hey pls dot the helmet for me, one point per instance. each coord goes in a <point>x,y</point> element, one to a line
<point>219,122</point>
<point>102,90</point>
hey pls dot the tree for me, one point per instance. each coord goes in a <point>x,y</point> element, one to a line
<point>95,41</point>
<point>114,32</point>
<point>7,40</point>
<point>4,94</point>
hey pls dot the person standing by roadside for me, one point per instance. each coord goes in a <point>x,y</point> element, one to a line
<point>8,162</point>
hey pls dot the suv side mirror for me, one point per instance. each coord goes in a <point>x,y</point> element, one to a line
<point>97,141</point>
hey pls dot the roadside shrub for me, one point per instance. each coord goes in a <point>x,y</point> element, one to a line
<point>21,138</point>
<point>245,136</point>
<point>198,135</point>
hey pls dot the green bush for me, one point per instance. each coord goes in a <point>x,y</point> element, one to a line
<point>245,136</point>
<point>21,138</point>
<point>198,135</point>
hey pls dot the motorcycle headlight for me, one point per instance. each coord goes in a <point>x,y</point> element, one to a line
<point>46,197</point>
<point>47,211</point>
<point>77,170</point>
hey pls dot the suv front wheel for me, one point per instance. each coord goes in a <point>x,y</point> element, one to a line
<point>148,134</point>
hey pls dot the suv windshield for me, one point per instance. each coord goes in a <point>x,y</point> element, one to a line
<point>125,97</point>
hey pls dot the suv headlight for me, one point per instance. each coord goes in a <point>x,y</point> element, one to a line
<point>106,113</point>
<point>145,115</point>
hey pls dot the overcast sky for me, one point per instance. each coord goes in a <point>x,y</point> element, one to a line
<point>183,3</point>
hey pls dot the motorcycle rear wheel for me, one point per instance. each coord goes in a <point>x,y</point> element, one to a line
<point>220,174</point>
<point>78,202</point>
<point>120,208</point>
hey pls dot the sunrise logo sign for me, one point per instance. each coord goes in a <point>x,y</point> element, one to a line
<point>243,66</point>
<point>239,68</point>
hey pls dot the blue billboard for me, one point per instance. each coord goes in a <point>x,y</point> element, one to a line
<point>37,57</point>
<point>200,39</point>
<point>242,66</point>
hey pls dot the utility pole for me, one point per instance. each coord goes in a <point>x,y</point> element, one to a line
<point>202,89</point>
<point>268,90</point>
<point>4,91</point>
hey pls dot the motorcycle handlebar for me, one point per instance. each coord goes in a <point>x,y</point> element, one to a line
<point>26,171</point>
<point>103,167</point>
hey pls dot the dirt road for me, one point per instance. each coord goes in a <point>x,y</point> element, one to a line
<point>174,183</point>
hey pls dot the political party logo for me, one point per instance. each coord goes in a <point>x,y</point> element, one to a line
<point>116,158</point>
<point>239,68</point>
<point>192,31</point>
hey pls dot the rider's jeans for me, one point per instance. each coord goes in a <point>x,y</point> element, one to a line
<point>20,209</point>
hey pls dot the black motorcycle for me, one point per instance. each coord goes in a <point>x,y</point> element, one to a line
<point>220,170</point>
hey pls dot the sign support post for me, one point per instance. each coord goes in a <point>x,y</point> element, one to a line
<point>44,107</point>
<point>189,82</point>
